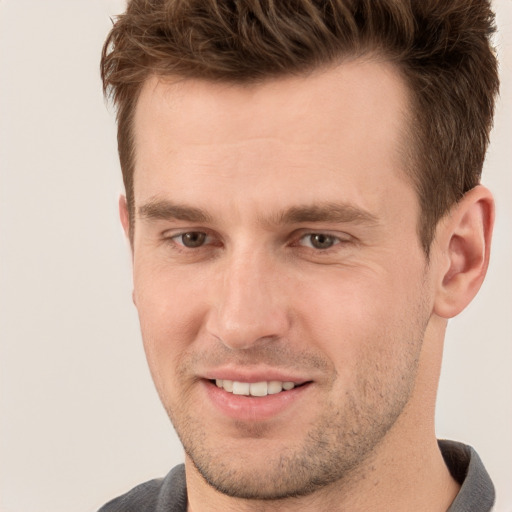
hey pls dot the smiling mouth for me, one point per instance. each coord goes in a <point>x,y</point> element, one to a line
<point>256,389</point>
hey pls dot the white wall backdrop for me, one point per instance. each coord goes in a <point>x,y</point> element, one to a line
<point>79,419</point>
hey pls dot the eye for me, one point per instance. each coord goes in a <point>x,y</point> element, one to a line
<point>191,239</point>
<point>319,241</point>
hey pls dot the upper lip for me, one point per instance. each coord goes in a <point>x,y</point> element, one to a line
<point>253,375</point>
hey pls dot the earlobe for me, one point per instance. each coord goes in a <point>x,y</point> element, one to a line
<point>464,240</point>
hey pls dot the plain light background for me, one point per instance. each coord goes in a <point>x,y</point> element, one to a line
<point>80,421</point>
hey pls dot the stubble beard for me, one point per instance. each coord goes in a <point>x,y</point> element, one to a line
<point>342,441</point>
<point>338,448</point>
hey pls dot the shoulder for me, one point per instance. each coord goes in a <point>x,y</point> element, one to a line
<point>167,494</point>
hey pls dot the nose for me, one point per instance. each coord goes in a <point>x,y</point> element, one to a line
<point>249,303</point>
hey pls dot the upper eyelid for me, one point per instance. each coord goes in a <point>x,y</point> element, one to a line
<point>173,232</point>
<point>330,235</point>
<point>337,241</point>
<point>181,233</point>
<point>341,235</point>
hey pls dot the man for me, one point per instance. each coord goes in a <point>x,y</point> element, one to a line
<point>305,214</point>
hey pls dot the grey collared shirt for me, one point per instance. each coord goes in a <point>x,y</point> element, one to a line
<point>477,491</point>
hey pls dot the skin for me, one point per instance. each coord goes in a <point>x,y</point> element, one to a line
<point>254,173</point>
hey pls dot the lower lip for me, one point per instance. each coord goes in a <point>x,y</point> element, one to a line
<point>248,408</point>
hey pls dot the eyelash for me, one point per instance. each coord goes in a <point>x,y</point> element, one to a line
<point>173,239</point>
<point>337,241</point>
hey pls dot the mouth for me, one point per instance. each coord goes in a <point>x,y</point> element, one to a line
<point>252,398</point>
<point>256,389</point>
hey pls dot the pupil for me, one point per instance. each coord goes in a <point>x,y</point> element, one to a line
<point>194,239</point>
<point>322,241</point>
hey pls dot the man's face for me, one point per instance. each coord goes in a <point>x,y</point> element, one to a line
<point>276,242</point>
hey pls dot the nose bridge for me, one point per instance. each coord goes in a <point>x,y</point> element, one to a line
<point>250,305</point>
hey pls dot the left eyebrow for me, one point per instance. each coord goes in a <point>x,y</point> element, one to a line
<point>328,212</point>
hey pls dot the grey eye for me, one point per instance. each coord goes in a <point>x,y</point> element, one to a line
<point>193,239</point>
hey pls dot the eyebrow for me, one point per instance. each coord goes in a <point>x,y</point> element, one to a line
<point>161,209</point>
<point>327,212</point>
<point>166,210</point>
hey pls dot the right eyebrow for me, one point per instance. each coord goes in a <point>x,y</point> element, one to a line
<point>159,209</point>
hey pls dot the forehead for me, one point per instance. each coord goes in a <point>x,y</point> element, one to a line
<point>345,123</point>
<point>355,87</point>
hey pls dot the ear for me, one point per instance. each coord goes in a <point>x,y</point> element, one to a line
<point>124,216</point>
<point>125,222</point>
<point>463,241</point>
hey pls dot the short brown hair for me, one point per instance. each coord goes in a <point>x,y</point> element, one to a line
<point>442,48</point>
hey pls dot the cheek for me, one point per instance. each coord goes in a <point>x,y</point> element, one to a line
<point>346,302</point>
<point>170,312</point>
<point>345,323</point>
<point>364,319</point>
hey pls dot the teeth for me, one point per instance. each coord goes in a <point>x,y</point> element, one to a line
<point>254,388</point>
<point>258,389</point>
<point>241,388</point>
<point>274,387</point>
